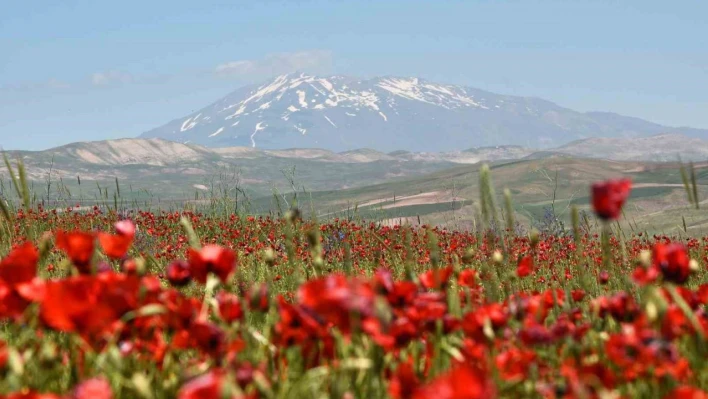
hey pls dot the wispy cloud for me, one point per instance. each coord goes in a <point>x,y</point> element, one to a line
<point>275,64</point>
<point>110,77</point>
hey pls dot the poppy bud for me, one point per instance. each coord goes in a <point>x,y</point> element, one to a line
<point>468,257</point>
<point>497,257</point>
<point>604,277</point>
<point>652,311</point>
<point>693,265</point>
<point>293,215</point>
<point>257,298</point>
<point>534,238</point>
<point>645,258</point>
<point>133,266</point>
<point>48,355</point>
<point>269,256</point>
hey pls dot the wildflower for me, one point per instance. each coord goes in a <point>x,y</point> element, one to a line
<point>462,382</point>
<point>209,385</point>
<point>404,381</point>
<point>687,392</point>
<point>514,364</point>
<point>436,278</point>
<point>179,273</point>
<point>95,388</point>
<point>604,277</point>
<point>609,196</point>
<point>525,266</point>
<point>673,262</point>
<point>212,259</point>
<point>229,307</point>
<point>79,247</point>
<point>117,245</point>
<point>336,297</point>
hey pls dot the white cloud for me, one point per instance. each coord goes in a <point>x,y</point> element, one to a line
<point>276,64</point>
<point>110,77</point>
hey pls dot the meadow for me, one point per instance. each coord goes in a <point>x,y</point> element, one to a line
<point>107,303</point>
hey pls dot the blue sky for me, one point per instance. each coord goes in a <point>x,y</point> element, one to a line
<point>89,70</point>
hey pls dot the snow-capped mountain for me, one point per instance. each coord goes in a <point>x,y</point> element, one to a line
<point>390,113</point>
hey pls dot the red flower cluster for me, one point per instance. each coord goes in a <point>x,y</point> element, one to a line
<point>384,312</point>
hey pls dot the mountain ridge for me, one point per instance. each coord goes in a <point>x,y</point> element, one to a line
<point>391,113</point>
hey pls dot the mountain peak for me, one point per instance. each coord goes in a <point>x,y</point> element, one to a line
<point>387,113</point>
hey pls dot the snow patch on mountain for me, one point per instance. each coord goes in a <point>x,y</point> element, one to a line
<point>259,127</point>
<point>330,121</point>
<point>216,133</point>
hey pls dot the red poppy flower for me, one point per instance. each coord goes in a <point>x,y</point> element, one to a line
<point>18,282</point>
<point>209,385</point>
<point>603,277</point>
<point>514,364</point>
<point>436,278</point>
<point>336,297</point>
<point>645,275</point>
<point>296,324</point>
<point>79,247</point>
<point>577,295</point>
<point>211,259</point>
<point>88,305</point>
<point>609,196</point>
<point>525,266</point>
<point>687,392</point>
<point>95,388</point>
<point>117,245</point>
<point>4,354</point>
<point>208,337</point>
<point>20,266</point>
<point>179,273</point>
<point>467,278</point>
<point>673,262</point>
<point>462,382</point>
<point>404,381</point>
<point>258,298</point>
<point>230,308</point>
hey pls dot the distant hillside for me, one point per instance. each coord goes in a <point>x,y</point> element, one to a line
<point>660,148</point>
<point>450,197</point>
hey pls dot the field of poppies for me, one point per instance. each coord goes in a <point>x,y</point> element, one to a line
<point>105,304</point>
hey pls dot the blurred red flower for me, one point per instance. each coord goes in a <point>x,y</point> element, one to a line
<point>462,382</point>
<point>117,245</point>
<point>525,266</point>
<point>95,388</point>
<point>79,247</point>
<point>672,260</point>
<point>212,259</point>
<point>179,273</point>
<point>609,196</point>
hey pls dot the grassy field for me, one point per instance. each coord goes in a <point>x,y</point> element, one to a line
<point>100,303</point>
